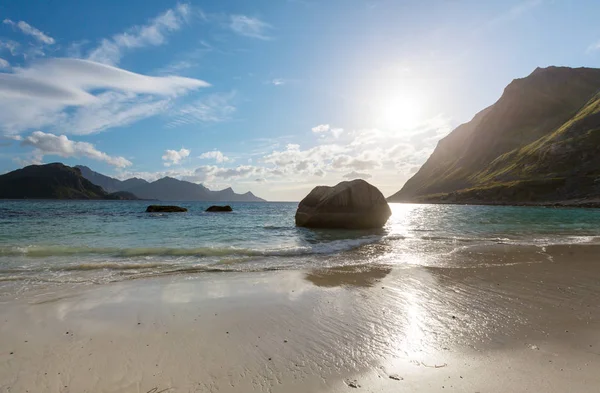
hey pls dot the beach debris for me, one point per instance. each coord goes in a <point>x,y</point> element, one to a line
<point>352,383</point>
<point>165,209</point>
<point>534,347</point>
<point>396,377</point>
<point>219,209</point>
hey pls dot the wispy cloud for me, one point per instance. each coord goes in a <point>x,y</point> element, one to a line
<point>151,34</point>
<point>27,29</point>
<point>516,11</point>
<point>277,82</point>
<point>593,47</point>
<point>174,157</point>
<point>82,97</point>
<point>249,27</point>
<point>60,145</point>
<point>4,63</point>
<point>213,108</point>
<point>10,46</point>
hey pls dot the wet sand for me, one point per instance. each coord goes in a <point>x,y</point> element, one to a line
<point>489,320</point>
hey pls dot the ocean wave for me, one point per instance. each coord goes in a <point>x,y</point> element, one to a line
<point>36,251</point>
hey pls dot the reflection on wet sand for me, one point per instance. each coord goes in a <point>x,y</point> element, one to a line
<point>348,276</point>
<point>297,332</point>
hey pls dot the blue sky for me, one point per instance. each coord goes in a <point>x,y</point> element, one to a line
<point>269,96</point>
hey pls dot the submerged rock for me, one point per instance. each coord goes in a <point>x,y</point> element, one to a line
<point>213,209</point>
<point>165,209</point>
<point>352,204</point>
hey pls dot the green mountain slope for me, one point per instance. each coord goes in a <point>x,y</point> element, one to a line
<point>537,144</point>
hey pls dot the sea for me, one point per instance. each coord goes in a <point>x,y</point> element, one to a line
<point>47,243</point>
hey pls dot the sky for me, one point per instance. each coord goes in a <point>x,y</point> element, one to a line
<point>269,96</point>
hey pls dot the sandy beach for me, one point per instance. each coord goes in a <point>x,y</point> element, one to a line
<point>508,319</point>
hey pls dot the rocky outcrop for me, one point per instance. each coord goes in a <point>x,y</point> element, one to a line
<point>349,205</point>
<point>219,209</point>
<point>165,209</point>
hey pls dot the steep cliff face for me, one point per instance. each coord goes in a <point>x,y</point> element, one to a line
<point>539,142</point>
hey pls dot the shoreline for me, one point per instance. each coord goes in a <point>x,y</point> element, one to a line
<point>572,203</point>
<point>513,324</point>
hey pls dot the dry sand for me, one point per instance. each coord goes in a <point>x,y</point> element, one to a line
<point>509,320</point>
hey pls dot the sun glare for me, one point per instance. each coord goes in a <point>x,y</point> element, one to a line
<point>399,112</point>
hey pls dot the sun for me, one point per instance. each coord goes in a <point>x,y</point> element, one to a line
<point>399,112</point>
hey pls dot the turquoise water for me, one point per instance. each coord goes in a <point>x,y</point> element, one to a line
<point>104,241</point>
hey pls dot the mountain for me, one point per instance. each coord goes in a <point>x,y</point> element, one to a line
<point>52,181</point>
<point>109,184</point>
<point>538,144</point>
<point>170,189</point>
<point>167,189</point>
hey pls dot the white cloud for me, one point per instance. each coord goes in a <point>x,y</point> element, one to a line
<point>60,93</point>
<point>278,82</point>
<point>216,155</point>
<point>324,128</point>
<point>386,158</point>
<point>213,108</point>
<point>26,28</point>
<point>174,157</point>
<point>4,63</point>
<point>151,34</point>
<point>249,27</point>
<point>337,132</point>
<point>60,145</point>
<point>321,128</point>
<point>356,175</point>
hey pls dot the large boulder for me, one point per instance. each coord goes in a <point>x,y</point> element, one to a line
<point>352,204</point>
<point>165,209</point>
<point>217,209</point>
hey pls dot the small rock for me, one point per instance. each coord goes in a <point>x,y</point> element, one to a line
<point>165,209</point>
<point>353,384</point>
<point>284,341</point>
<point>396,377</point>
<point>217,209</point>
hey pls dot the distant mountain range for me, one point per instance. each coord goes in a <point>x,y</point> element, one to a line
<point>538,144</point>
<point>166,189</point>
<point>52,181</point>
<point>58,181</point>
